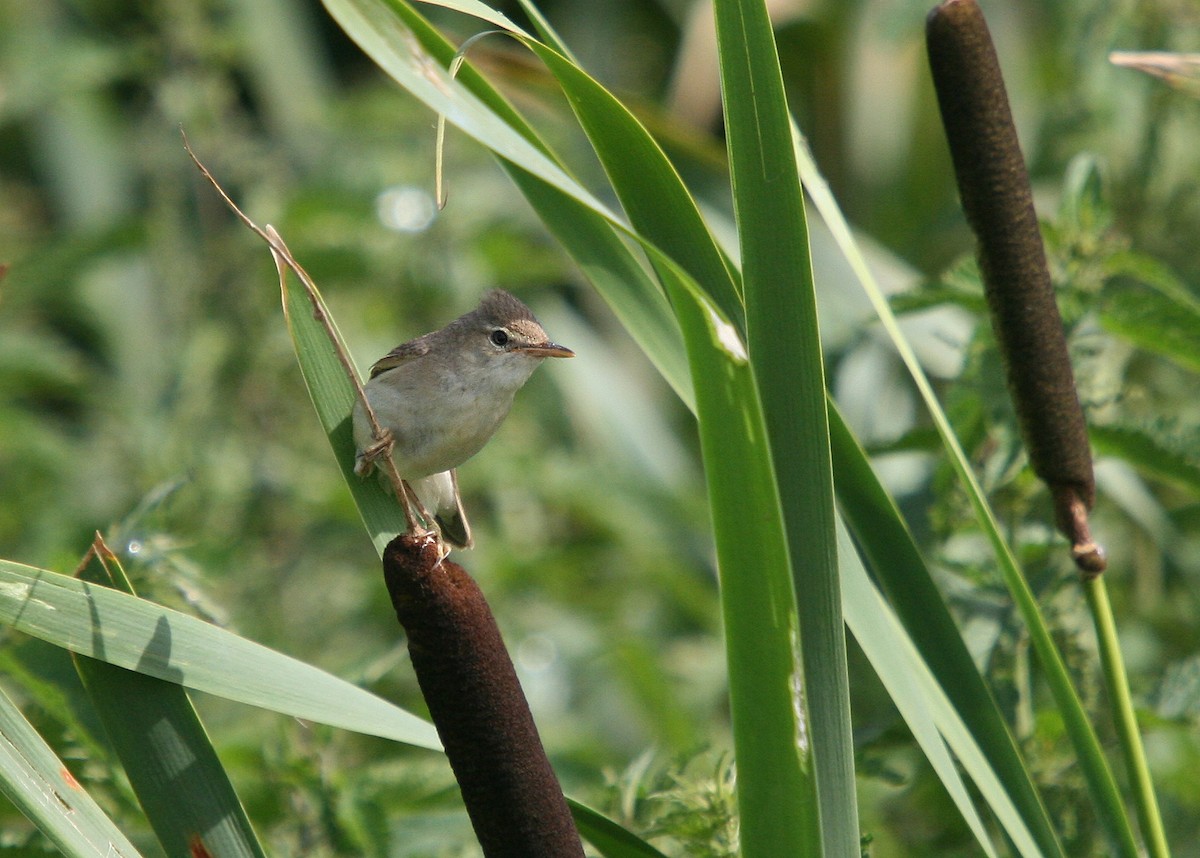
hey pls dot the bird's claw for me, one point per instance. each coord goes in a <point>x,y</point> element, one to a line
<point>364,462</point>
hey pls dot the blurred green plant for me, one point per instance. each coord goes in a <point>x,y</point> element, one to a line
<point>141,353</point>
<point>688,806</point>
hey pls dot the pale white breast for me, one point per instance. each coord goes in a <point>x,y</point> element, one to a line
<point>441,418</point>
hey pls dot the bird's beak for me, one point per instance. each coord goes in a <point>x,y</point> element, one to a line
<point>547,349</point>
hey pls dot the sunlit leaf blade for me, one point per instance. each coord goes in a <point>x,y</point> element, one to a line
<point>898,566</point>
<point>660,208</point>
<point>172,766</point>
<point>332,396</point>
<point>164,749</point>
<point>784,342</point>
<point>379,28</point>
<point>1178,70</point>
<point>778,811</point>
<point>925,706</point>
<point>41,787</point>
<point>138,635</point>
<point>609,265</point>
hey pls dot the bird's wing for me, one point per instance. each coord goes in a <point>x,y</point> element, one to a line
<point>400,354</point>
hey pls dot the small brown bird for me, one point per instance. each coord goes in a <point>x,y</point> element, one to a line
<point>440,397</point>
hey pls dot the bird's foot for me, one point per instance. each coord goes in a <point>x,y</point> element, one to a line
<point>427,535</point>
<point>364,462</point>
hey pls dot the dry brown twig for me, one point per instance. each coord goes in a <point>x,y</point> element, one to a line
<point>283,261</point>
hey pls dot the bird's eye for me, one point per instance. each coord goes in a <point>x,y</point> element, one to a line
<point>499,337</point>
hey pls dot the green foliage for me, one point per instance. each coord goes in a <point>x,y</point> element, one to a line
<point>687,806</point>
<point>148,389</point>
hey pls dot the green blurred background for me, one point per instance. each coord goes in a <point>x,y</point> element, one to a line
<point>148,387</point>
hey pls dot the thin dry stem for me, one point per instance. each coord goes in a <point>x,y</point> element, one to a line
<point>439,152</point>
<point>283,261</point>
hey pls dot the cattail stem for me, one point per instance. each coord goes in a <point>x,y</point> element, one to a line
<point>994,187</point>
<point>512,795</point>
<point>1125,720</point>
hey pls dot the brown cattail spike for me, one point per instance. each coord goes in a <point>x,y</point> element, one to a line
<point>994,187</point>
<point>512,795</point>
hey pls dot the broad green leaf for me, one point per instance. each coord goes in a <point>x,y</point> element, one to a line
<point>776,789</point>
<point>1154,275</point>
<point>785,349</point>
<point>332,396</point>
<point>42,788</point>
<point>164,749</point>
<point>138,635</point>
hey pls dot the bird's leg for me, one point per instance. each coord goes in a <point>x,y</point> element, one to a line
<point>410,501</point>
<point>421,523</point>
<point>416,523</point>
